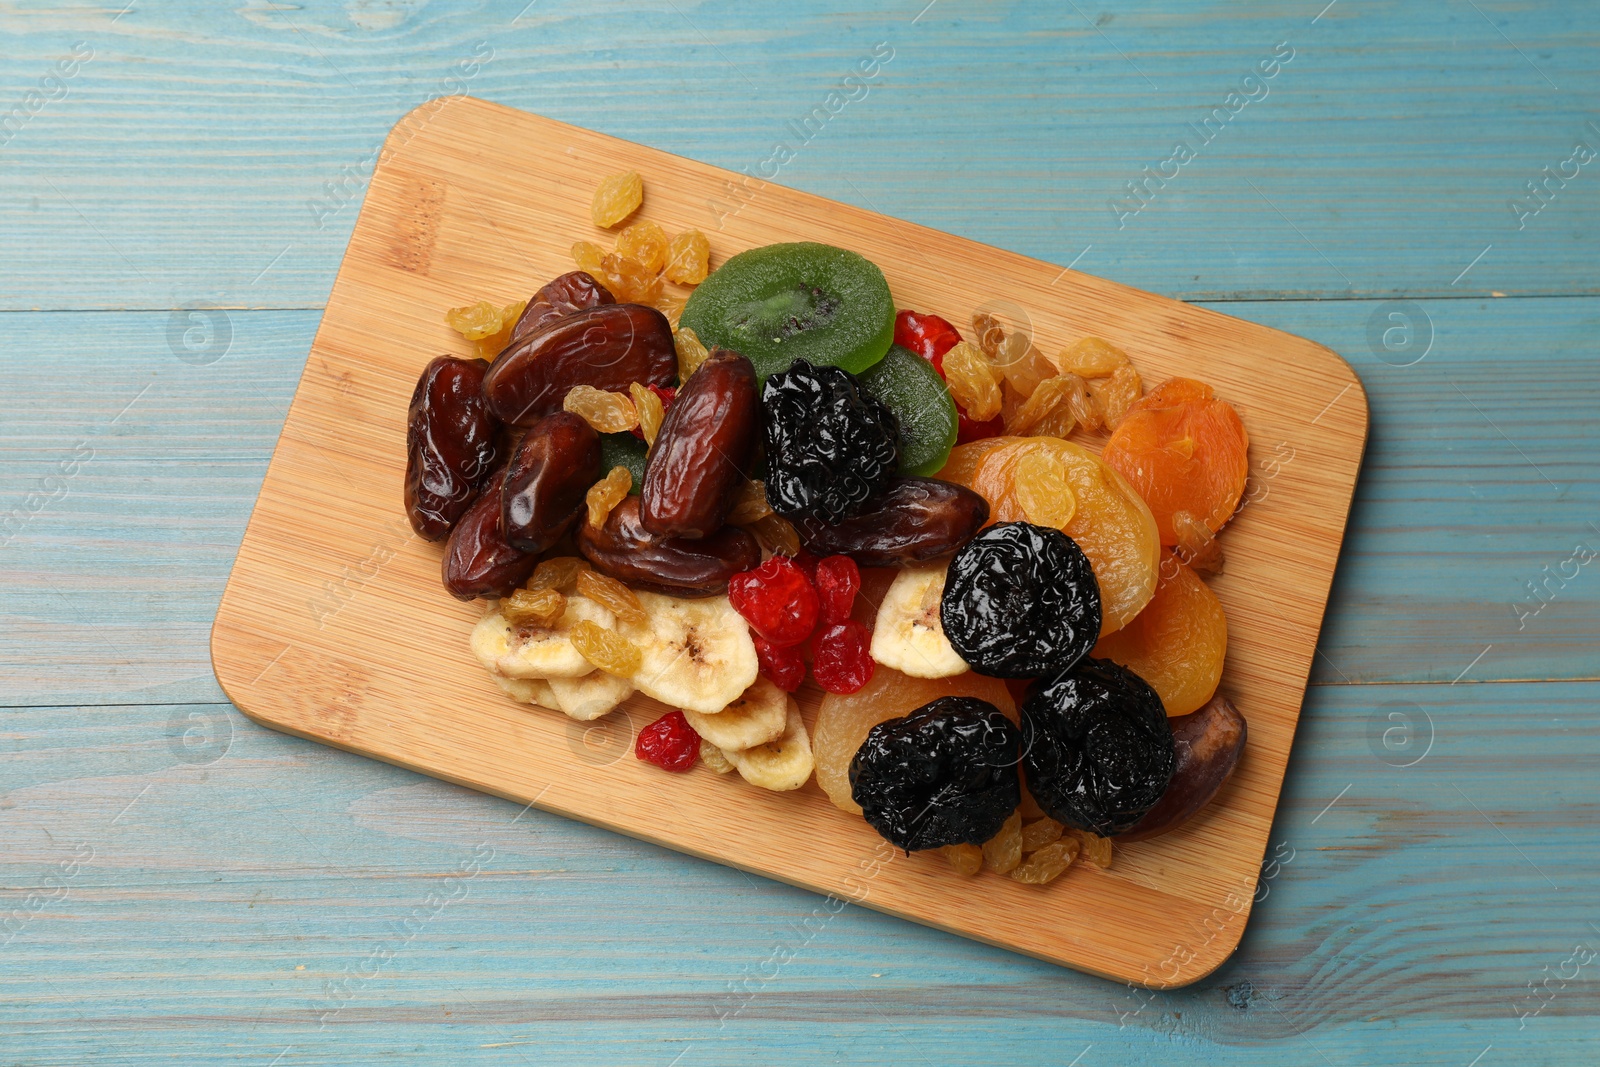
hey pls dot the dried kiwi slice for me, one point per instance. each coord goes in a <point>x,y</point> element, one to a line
<point>779,303</point>
<point>913,390</point>
<point>623,450</point>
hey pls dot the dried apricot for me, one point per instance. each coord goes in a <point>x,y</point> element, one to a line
<point>1197,545</point>
<point>844,719</point>
<point>604,411</point>
<point>646,244</point>
<point>688,258</point>
<point>1109,521</point>
<point>616,197</point>
<point>1183,450</point>
<point>1043,491</point>
<point>1177,643</point>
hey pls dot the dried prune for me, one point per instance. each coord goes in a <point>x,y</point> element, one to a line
<point>554,465</point>
<point>1096,747</point>
<point>451,445</point>
<point>607,347</point>
<point>831,445</point>
<point>946,774</point>
<point>1208,744</point>
<point>704,450</point>
<point>565,295</point>
<point>676,566</point>
<point>478,562</point>
<point>1021,601</point>
<point>914,520</point>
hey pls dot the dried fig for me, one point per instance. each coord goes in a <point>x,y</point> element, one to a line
<point>705,447</point>
<point>676,566</point>
<point>608,347</point>
<point>1208,743</point>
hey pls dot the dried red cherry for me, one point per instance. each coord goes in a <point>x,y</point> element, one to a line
<point>927,335</point>
<point>669,742</point>
<point>967,430</point>
<point>553,467</point>
<point>838,579</point>
<point>478,562</point>
<point>840,659</point>
<point>783,667</point>
<point>705,448</point>
<point>777,600</point>
<point>451,445</point>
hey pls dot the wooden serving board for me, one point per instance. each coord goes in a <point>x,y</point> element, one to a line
<point>334,625</point>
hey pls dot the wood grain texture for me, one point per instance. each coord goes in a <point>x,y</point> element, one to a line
<point>1405,931</point>
<point>333,625</point>
<point>1380,161</point>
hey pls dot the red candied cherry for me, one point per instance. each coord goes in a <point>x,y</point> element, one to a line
<point>777,600</point>
<point>928,336</point>
<point>667,394</point>
<point>840,659</point>
<point>838,580</point>
<point>808,563</point>
<point>967,430</point>
<point>669,742</point>
<point>783,667</point>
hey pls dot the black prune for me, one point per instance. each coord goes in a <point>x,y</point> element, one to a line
<point>946,774</point>
<point>831,445</point>
<point>452,445</point>
<point>1096,746</point>
<point>1021,601</point>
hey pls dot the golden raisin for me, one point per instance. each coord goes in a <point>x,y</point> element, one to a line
<point>609,651</point>
<point>612,595</point>
<point>966,859</point>
<point>1023,365</point>
<point>475,321</point>
<point>1092,357</point>
<point>616,198</point>
<point>533,607</point>
<point>776,535</point>
<point>1051,410</point>
<point>749,504</point>
<point>558,572</point>
<point>1096,849</point>
<point>1047,864</point>
<point>1197,545</point>
<point>604,412</point>
<point>650,409</point>
<point>588,256</point>
<point>1042,490</point>
<point>606,494</point>
<point>714,758</point>
<point>646,244</point>
<point>671,307</point>
<point>691,353</point>
<point>689,258</point>
<point>972,382</point>
<point>628,279</point>
<point>1039,833</point>
<point>1003,851</point>
<point>990,332</point>
<point>1113,396</point>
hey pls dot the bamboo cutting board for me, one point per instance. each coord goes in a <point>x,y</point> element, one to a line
<point>334,625</point>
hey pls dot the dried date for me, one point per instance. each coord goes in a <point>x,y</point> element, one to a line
<point>1208,744</point>
<point>452,444</point>
<point>676,566</point>
<point>608,347</point>
<point>914,520</point>
<point>549,473</point>
<point>704,450</point>
<point>477,560</point>
<point>572,292</point>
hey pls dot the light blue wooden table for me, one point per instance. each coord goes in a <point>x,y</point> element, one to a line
<point>178,884</point>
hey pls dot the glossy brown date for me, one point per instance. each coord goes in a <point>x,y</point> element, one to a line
<point>704,451</point>
<point>676,566</point>
<point>572,292</point>
<point>915,519</point>
<point>552,468</point>
<point>452,444</point>
<point>477,560</point>
<point>608,347</point>
<point>1209,743</point>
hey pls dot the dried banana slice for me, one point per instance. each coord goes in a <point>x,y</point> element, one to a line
<point>782,764</point>
<point>528,691</point>
<point>532,651</point>
<point>694,654</point>
<point>591,696</point>
<point>757,716</point>
<point>908,635</point>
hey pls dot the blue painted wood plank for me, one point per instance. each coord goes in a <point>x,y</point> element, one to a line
<point>1418,890</point>
<point>216,152</point>
<point>108,588</point>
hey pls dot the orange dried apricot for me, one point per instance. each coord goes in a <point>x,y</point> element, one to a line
<point>1183,450</point>
<point>1110,522</point>
<point>1177,643</point>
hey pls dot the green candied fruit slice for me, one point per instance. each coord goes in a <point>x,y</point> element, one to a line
<point>623,450</point>
<point>784,302</point>
<point>916,394</point>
